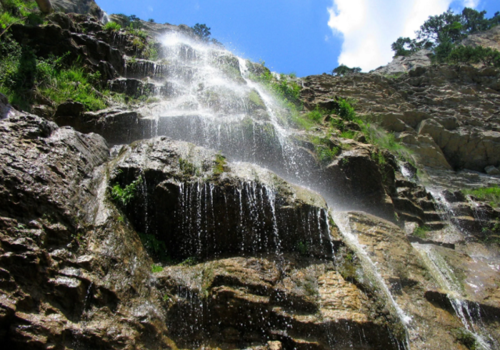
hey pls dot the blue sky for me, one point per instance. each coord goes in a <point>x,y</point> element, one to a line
<point>301,36</point>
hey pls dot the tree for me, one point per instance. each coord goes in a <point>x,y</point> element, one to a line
<point>202,31</point>
<point>474,21</point>
<point>403,47</point>
<point>443,32</point>
<point>345,70</point>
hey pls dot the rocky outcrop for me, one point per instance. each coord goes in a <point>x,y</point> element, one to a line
<point>446,114</point>
<point>403,64</point>
<point>489,38</point>
<point>79,6</point>
<point>57,284</point>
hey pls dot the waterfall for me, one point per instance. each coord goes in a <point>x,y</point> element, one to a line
<point>209,97</point>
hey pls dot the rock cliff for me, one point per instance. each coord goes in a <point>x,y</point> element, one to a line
<point>167,222</point>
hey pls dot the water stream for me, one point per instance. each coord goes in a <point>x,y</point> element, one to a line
<point>213,102</point>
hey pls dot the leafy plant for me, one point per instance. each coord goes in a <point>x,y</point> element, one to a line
<point>421,232</point>
<point>202,31</point>
<point>385,140</point>
<point>154,246</point>
<point>302,248</point>
<point>443,32</point>
<point>187,167</point>
<point>112,27</point>
<point>126,194</point>
<point>348,134</point>
<point>191,261</point>
<point>465,337</point>
<point>156,268</point>
<point>219,164</point>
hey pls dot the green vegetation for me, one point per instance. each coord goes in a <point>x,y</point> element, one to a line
<point>421,232</point>
<point>324,150</point>
<point>156,268</point>
<point>473,55</point>
<point>124,195</point>
<point>345,70</point>
<point>187,167</point>
<point>465,337</point>
<point>302,248</point>
<point>155,248</point>
<point>18,11</point>
<point>385,140</point>
<point>26,78</point>
<point>219,164</point>
<point>442,34</point>
<point>284,89</point>
<point>112,27</point>
<point>487,194</point>
<point>379,158</point>
<point>203,32</point>
<point>191,261</point>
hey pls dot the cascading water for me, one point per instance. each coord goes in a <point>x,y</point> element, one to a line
<point>207,97</point>
<point>213,103</point>
<point>468,312</point>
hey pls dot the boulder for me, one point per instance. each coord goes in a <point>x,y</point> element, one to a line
<point>403,64</point>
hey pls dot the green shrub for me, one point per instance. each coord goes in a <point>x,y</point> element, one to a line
<point>124,195</point>
<point>187,167</point>
<point>487,194</point>
<point>286,90</point>
<point>22,75</point>
<point>421,232</point>
<point>156,268</point>
<point>467,54</point>
<point>315,115</point>
<point>348,134</point>
<point>345,110</point>
<point>302,248</point>
<point>219,164</point>
<point>326,155</point>
<point>191,261</point>
<point>154,246</point>
<point>112,27</point>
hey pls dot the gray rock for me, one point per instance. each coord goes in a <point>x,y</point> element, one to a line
<point>492,170</point>
<point>402,64</point>
<point>489,38</point>
<point>79,6</point>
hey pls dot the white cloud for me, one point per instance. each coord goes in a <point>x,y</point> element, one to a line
<point>369,27</point>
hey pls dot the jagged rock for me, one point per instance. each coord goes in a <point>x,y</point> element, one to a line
<point>310,305</point>
<point>403,64</point>
<point>455,105</point>
<point>400,268</point>
<point>492,170</point>
<point>79,6</point>
<point>57,280</point>
<point>489,38</point>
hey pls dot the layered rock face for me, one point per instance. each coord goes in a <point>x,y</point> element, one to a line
<point>128,228</point>
<point>446,114</point>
